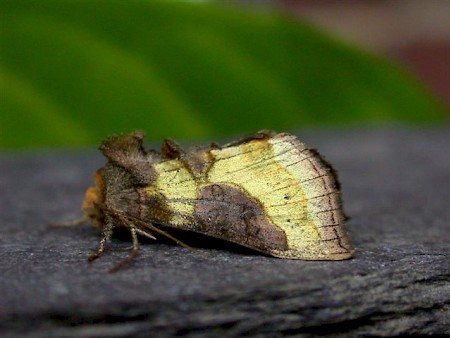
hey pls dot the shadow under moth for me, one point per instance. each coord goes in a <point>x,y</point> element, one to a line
<point>269,192</point>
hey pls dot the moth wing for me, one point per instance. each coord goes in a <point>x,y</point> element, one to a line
<point>297,189</point>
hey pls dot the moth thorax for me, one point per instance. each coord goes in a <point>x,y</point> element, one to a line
<point>94,197</point>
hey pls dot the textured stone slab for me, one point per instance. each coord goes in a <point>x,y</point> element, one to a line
<point>396,190</point>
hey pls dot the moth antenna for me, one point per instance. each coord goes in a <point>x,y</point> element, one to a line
<point>67,224</point>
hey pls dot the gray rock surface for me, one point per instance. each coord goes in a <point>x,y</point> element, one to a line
<point>396,185</point>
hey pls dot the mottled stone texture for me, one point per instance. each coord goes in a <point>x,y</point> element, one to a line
<point>396,191</point>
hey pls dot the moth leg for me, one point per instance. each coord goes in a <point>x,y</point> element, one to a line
<point>133,253</point>
<point>106,236</point>
<point>145,233</point>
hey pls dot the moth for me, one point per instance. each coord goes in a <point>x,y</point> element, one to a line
<point>269,192</point>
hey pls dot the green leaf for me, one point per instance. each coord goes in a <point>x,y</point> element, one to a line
<point>73,72</point>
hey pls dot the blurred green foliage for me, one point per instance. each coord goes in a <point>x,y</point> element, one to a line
<point>73,72</point>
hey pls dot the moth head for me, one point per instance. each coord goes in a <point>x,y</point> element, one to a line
<point>95,197</point>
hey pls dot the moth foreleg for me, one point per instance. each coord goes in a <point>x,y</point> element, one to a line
<point>105,237</point>
<point>134,251</point>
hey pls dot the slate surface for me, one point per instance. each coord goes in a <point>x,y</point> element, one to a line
<point>396,190</point>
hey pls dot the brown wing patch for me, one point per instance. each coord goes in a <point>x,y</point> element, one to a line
<point>171,150</point>
<point>225,211</point>
<point>260,135</point>
<point>153,208</point>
